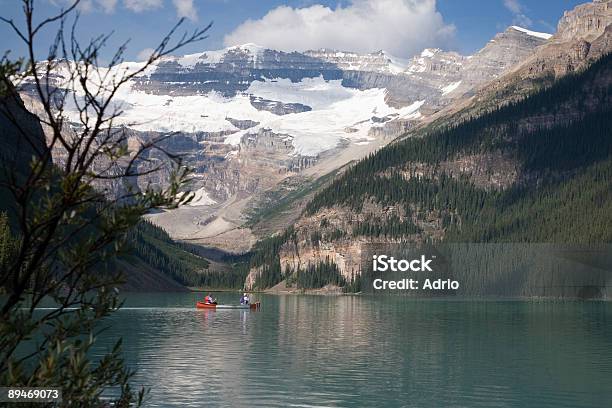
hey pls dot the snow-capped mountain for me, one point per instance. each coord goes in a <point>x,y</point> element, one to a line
<point>247,117</point>
<point>317,99</point>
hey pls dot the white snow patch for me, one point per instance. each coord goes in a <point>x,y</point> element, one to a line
<point>334,111</point>
<point>164,113</point>
<point>428,53</point>
<point>190,60</point>
<point>201,198</point>
<point>253,49</point>
<point>314,92</point>
<point>450,88</point>
<point>544,36</point>
<point>380,61</point>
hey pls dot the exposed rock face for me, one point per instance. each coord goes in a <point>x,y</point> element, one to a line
<point>276,107</point>
<point>586,34</point>
<point>434,74</point>
<point>242,124</point>
<point>587,21</point>
<point>390,129</point>
<point>21,136</point>
<point>349,61</point>
<point>346,255</point>
<point>492,171</point>
<point>231,71</point>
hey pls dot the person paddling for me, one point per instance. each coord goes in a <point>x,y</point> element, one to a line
<point>244,300</point>
<point>209,300</point>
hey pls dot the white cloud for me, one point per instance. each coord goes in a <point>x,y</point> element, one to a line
<point>518,10</point>
<point>513,5</point>
<point>401,27</point>
<point>185,8</point>
<point>108,6</point>
<point>139,6</point>
<point>88,6</point>
<point>84,6</point>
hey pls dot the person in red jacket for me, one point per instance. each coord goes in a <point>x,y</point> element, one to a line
<point>209,300</point>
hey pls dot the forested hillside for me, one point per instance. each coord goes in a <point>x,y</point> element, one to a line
<point>154,247</point>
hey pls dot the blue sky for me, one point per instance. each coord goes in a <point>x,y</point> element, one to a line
<point>402,27</point>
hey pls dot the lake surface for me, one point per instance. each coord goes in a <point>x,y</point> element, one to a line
<point>346,351</point>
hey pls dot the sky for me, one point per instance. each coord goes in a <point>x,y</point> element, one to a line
<point>400,27</point>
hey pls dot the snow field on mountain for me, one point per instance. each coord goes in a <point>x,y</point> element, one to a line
<point>450,88</point>
<point>544,36</point>
<point>201,198</point>
<point>337,112</point>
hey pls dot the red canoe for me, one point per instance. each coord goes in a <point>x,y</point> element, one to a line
<point>202,305</point>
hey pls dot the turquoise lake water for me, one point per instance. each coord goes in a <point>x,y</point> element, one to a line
<point>348,351</point>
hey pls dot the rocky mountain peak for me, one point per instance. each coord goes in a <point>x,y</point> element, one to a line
<point>587,21</point>
<point>503,52</point>
<point>515,37</point>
